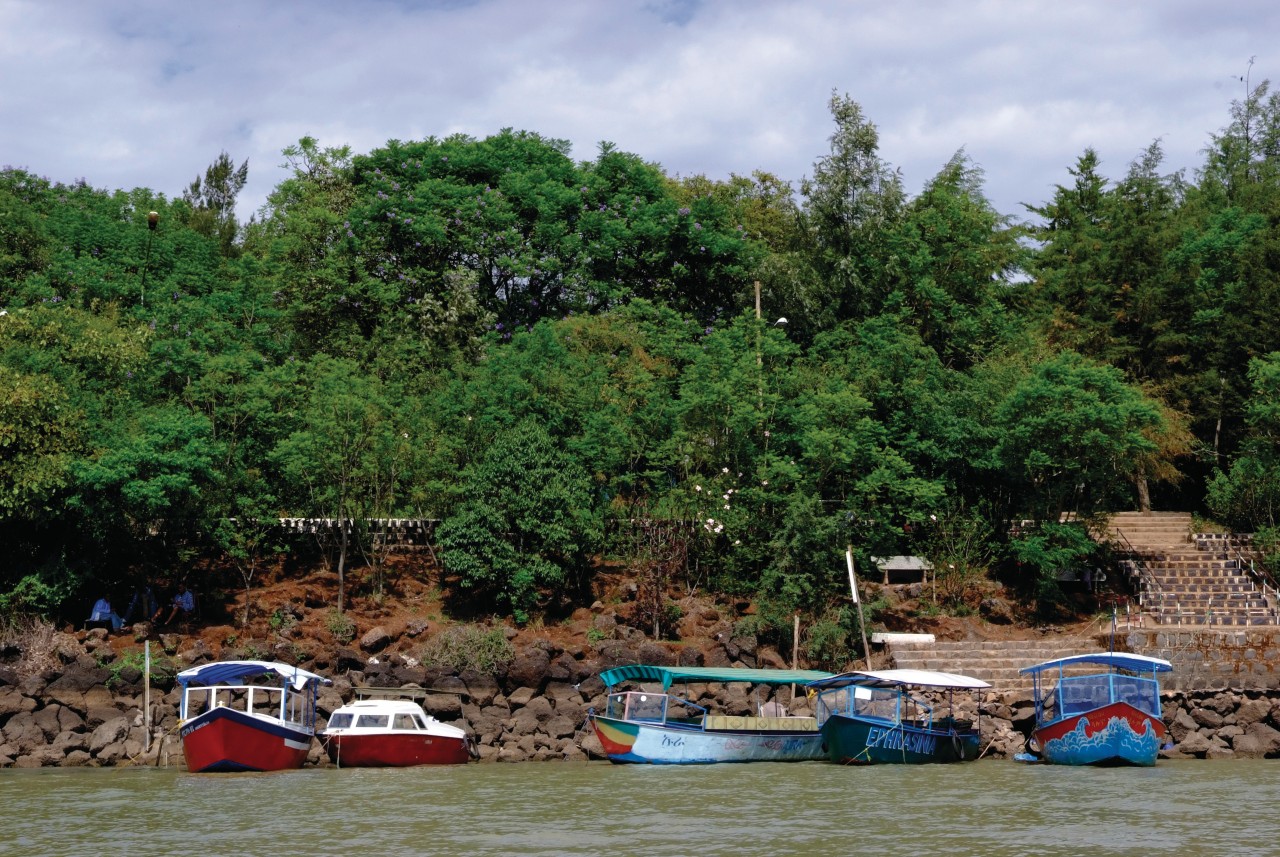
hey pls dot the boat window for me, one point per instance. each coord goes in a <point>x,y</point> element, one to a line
<point>1142,693</point>
<point>404,721</point>
<point>340,721</point>
<point>372,721</point>
<point>874,702</point>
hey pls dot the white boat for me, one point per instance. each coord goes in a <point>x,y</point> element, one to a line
<point>387,728</point>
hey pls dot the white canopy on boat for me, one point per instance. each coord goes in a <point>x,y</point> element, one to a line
<point>899,678</point>
<point>1120,660</point>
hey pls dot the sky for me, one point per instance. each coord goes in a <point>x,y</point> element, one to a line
<point>137,93</point>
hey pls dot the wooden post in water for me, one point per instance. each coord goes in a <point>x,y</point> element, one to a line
<point>795,652</point>
<point>146,696</point>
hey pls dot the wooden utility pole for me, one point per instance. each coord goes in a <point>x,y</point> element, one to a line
<point>853,587</point>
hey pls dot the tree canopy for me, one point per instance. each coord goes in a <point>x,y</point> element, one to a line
<point>550,355</point>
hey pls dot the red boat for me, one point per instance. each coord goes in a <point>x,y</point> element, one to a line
<point>247,716</point>
<point>377,731</point>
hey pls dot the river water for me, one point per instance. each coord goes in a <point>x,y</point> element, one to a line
<point>987,807</point>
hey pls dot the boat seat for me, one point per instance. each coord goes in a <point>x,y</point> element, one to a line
<point>761,724</point>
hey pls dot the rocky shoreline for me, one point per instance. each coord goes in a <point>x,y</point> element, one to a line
<point>86,707</point>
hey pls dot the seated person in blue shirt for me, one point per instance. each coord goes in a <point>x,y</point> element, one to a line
<point>183,602</point>
<point>102,612</point>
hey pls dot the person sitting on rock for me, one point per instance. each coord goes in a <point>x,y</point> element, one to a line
<point>184,602</point>
<point>143,604</point>
<point>102,612</point>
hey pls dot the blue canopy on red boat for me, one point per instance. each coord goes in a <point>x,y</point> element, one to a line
<point>1114,660</point>
<point>236,672</point>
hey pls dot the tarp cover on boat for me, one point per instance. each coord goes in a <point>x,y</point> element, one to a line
<point>235,672</point>
<point>1118,660</point>
<point>671,675</point>
<point>899,678</point>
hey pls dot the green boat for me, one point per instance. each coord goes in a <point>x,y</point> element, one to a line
<point>880,717</point>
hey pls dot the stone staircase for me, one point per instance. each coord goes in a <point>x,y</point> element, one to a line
<point>1181,580</point>
<point>995,662</point>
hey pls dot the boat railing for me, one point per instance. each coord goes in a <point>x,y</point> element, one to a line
<point>262,701</point>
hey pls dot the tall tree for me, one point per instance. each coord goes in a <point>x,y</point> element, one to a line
<point>850,202</point>
<point>213,201</point>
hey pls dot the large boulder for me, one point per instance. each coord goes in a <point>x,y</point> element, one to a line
<point>109,733</point>
<point>375,639</point>
<point>13,701</point>
<point>528,668</point>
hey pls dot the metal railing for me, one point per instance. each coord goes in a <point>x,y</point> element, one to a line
<point>1147,584</point>
<point>1259,577</point>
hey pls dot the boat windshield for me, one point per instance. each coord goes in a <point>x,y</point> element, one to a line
<point>341,721</point>
<point>1077,694</point>
<point>890,705</point>
<point>653,708</point>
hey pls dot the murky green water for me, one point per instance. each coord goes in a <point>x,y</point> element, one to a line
<point>988,808</point>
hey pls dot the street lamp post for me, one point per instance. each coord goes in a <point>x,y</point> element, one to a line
<point>153,219</point>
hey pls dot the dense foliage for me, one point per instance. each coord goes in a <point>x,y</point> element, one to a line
<point>550,356</point>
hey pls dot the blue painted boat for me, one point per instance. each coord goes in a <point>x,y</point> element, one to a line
<point>883,717</point>
<point>658,727</point>
<point>1107,717</point>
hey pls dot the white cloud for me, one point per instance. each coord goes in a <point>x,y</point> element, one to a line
<point>129,94</point>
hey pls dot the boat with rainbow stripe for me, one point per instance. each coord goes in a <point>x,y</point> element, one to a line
<point>654,726</point>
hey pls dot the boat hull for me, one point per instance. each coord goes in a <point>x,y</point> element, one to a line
<point>864,741</point>
<point>1114,734</point>
<point>394,750</point>
<point>225,739</point>
<point>631,742</point>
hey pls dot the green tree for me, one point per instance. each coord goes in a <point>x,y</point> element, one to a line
<point>332,459</point>
<point>527,522</point>
<point>1071,432</point>
<point>213,201</point>
<point>851,201</point>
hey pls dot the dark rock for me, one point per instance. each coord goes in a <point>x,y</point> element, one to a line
<point>443,706</point>
<point>1206,717</point>
<point>111,732</point>
<point>375,639</point>
<point>67,742</point>
<point>540,707</point>
<point>13,701</point>
<point>403,673</point>
<point>23,733</point>
<point>47,719</point>
<point>566,668</point>
<point>1265,738</point>
<point>348,659</point>
<point>81,678</point>
<point>482,688</point>
<point>1194,744</point>
<point>528,668</point>
<point>690,657</point>
<point>1253,711</point>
